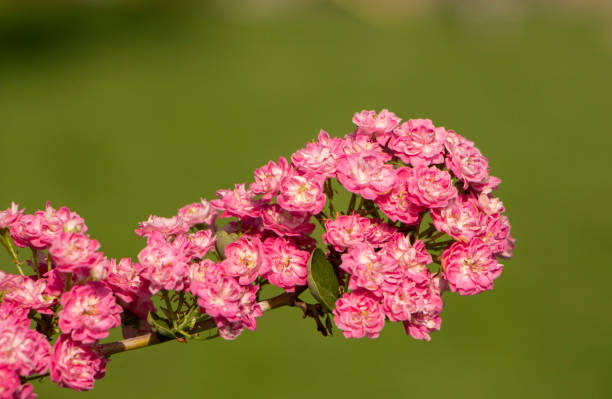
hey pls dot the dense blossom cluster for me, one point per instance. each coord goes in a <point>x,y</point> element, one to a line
<point>421,219</point>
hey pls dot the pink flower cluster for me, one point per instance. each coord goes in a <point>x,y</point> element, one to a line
<point>74,288</point>
<point>213,257</point>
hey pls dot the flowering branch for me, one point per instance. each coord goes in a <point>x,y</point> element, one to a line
<point>207,263</point>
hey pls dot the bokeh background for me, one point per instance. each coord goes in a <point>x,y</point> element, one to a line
<point>119,109</point>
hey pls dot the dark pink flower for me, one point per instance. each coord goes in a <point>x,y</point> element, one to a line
<point>359,314</point>
<point>89,312</point>
<point>470,268</point>
<point>76,365</point>
<point>286,263</point>
<point>418,142</point>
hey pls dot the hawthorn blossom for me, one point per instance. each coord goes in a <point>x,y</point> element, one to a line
<point>497,234</point>
<point>89,312</point>
<point>418,142</point>
<point>366,174</point>
<point>73,252</point>
<point>302,193</point>
<point>173,225</point>
<point>359,314</point>
<point>165,264</point>
<point>470,268</point>
<point>268,178</point>
<point>346,231</point>
<point>284,222</point>
<point>286,263</point>
<point>412,259</point>
<point>316,157</point>
<point>124,279</point>
<point>238,202</point>
<point>27,231</point>
<point>465,160</point>
<point>381,125</point>
<point>23,350</point>
<point>244,259</point>
<point>379,233</point>
<point>12,313</point>
<point>76,365</point>
<point>10,215</point>
<point>460,219</point>
<point>9,383</point>
<point>197,213</point>
<point>370,270</point>
<point>200,243</point>
<point>396,203</point>
<point>430,187</point>
<point>427,318</point>
<point>26,293</point>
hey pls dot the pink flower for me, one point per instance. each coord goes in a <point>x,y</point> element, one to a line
<point>318,157</point>
<point>228,330</point>
<point>358,314</point>
<point>10,215</point>
<point>400,305</point>
<point>419,142</point>
<point>26,292</point>
<point>430,187</point>
<point>370,270</point>
<point>23,350</point>
<point>12,313</point>
<point>379,233</point>
<point>9,383</point>
<point>396,204</point>
<point>62,219</point>
<point>346,231</point>
<point>202,273</point>
<point>72,252</point>
<point>249,308</point>
<point>490,204</point>
<point>200,243</point>
<point>470,268</point>
<point>27,231</point>
<point>497,234</point>
<point>268,178</point>
<point>357,144</point>
<point>366,174</point>
<point>238,202</point>
<point>173,225</point>
<point>165,264</point>
<point>427,317</point>
<point>75,365</point>
<point>460,219</point>
<point>488,185</point>
<point>89,312</point>
<point>301,193</point>
<point>465,161</point>
<point>25,391</point>
<point>244,259</point>
<point>381,125</point>
<point>286,223</point>
<point>197,213</point>
<point>125,281</point>
<point>286,263</point>
<point>220,297</point>
<point>411,258</point>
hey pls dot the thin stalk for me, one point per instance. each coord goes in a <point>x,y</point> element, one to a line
<point>6,242</point>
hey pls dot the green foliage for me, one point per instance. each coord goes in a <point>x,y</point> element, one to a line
<point>322,280</point>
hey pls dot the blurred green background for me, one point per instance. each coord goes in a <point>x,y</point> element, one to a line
<point>119,110</point>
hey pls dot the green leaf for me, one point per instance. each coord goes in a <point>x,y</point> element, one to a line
<point>328,325</point>
<point>223,240</point>
<point>322,280</point>
<point>160,325</point>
